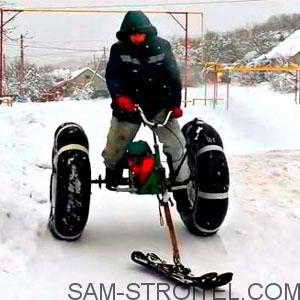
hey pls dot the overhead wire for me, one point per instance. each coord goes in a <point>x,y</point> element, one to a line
<point>58,48</point>
<point>129,5</point>
<point>44,55</point>
<point>156,4</point>
<point>37,45</point>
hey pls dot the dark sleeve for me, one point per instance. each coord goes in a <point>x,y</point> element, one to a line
<point>173,74</point>
<point>113,74</point>
<point>116,86</point>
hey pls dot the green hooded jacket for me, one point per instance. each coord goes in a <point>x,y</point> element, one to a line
<point>146,73</point>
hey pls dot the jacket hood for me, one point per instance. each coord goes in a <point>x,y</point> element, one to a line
<point>136,21</point>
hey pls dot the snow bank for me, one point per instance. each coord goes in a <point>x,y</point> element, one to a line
<point>264,196</point>
<point>257,119</point>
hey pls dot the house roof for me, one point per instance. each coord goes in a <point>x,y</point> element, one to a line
<point>74,75</point>
<point>77,73</point>
<point>287,48</point>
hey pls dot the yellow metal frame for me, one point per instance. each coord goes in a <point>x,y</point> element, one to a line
<point>221,68</point>
<point>100,11</point>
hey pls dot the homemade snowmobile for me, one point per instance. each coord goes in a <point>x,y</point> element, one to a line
<point>70,190</point>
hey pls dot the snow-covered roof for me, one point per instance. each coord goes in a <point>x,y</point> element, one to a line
<point>80,71</point>
<point>287,48</point>
<point>74,74</point>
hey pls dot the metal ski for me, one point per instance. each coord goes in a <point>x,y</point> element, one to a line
<point>179,273</point>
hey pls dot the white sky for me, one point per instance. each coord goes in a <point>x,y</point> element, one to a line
<point>94,31</point>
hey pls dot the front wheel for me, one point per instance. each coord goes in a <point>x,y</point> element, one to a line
<point>70,183</point>
<point>205,212</point>
<point>207,192</point>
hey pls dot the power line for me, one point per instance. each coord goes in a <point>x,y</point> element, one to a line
<point>46,55</point>
<point>75,41</point>
<point>156,4</point>
<point>16,39</point>
<point>58,48</point>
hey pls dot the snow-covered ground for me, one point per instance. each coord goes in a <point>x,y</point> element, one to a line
<point>259,241</point>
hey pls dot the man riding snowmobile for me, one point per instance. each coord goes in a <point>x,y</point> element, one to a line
<point>142,70</point>
<point>144,82</point>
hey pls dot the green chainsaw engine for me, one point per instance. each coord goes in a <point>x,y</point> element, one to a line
<point>143,173</point>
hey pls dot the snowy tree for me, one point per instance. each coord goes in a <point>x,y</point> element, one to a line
<point>84,93</point>
<point>61,74</point>
<point>194,61</point>
<point>261,41</point>
<point>36,79</point>
<point>282,22</point>
<point>282,82</point>
<point>241,46</point>
<point>212,46</point>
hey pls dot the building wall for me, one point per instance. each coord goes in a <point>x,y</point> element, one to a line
<point>295,59</point>
<point>99,84</point>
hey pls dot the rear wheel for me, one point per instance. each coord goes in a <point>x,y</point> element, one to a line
<point>70,196</point>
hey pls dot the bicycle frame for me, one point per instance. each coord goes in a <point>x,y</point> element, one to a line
<point>158,166</point>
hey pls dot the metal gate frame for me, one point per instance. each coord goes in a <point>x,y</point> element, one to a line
<point>173,14</point>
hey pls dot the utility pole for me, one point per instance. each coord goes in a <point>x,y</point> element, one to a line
<point>102,61</point>
<point>4,74</point>
<point>22,67</point>
<point>186,60</point>
<point>2,24</point>
<point>104,54</point>
<point>94,62</point>
<point>1,53</point>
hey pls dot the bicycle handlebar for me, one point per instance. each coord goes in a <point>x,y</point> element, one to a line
<point>152,124</point>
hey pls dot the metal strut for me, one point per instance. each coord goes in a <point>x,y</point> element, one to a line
<point>169,221</point>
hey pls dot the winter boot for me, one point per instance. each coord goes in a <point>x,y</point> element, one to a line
<point>113,177</point>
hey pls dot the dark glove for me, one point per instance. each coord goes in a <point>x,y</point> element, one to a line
<point>125,103</point>
<point>176,112</point>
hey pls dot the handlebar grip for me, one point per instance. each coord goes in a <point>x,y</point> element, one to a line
<point>152,124</point>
